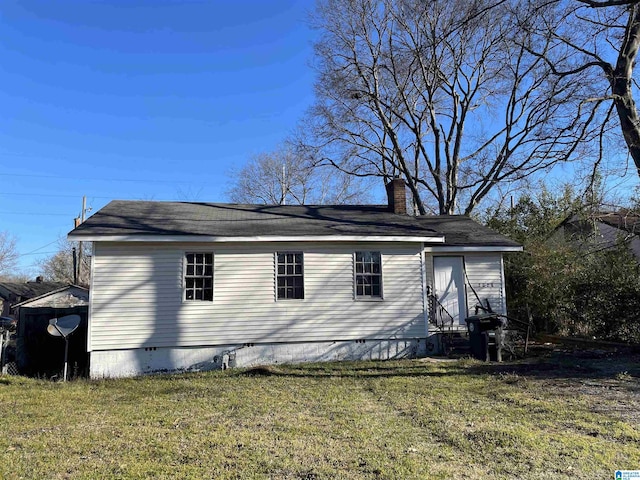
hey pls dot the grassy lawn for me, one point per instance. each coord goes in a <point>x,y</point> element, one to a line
<point>554,418</point>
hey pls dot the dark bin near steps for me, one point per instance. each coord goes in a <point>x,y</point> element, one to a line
<point>482,337</point>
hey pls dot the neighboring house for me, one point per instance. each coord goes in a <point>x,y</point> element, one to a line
<point>67,296</point>
<point>179,285</point>
<point>38,353</point>
<point>601,230</point>
<point>13,293</point>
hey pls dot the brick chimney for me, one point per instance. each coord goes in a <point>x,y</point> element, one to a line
<point>397,196</point>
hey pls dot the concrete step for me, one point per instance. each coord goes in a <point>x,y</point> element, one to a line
<point>457,345</point>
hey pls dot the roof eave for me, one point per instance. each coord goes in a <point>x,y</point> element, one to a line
<point>436,239</point>
<point>473,248</point>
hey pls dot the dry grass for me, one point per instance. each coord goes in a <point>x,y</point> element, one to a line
<point>404,419</point>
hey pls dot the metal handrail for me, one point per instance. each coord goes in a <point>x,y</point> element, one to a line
<point>434,298</point>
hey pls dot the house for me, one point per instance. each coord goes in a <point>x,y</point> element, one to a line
<point>601,230</point>
<point>12,293</point>
<point>179,285</point>
<point>37,352</point>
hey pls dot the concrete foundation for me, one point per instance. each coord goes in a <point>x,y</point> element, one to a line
<point>128,363</point>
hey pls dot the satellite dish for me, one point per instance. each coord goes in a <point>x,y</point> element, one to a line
<point>63,327</point>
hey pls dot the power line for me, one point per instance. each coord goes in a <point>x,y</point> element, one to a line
<point>22,194</point>
<point>37,253</point>
<point>38,214</point>
<point>136,180</point>
<point>37,250</point>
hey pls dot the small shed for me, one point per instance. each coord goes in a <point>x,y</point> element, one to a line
<point>37,352</point>
<point>13,293</point>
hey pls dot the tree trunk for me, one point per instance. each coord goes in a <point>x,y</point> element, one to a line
<point>620,80</point>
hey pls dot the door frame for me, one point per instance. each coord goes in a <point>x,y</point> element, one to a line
<point>463,310</point>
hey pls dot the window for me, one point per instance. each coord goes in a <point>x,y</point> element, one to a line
<point>368,275</point>
<point>290,279</point>
<point>198,277</point>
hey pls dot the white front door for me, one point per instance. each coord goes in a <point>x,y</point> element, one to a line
<point>451,307</point>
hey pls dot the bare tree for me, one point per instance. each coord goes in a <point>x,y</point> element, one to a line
<point>8,254</point>
<point>445,94</point>
<point>60,266</point>
<point>599,39</point>
<point>282,177</point>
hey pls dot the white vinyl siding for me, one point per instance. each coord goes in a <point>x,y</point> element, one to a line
<point>137,296</point>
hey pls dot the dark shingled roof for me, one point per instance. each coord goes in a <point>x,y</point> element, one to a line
<point>459,230</point>
<point>29,289</point>
<point>141,218</point>
<point>624,220</point>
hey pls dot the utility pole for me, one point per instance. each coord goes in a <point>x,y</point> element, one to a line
<point>75,265</point>
<point>78,274</point>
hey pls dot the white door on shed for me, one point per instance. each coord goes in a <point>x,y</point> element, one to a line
<point>449,289</point>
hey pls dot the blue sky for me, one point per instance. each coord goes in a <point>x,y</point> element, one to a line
<point>129,99</point>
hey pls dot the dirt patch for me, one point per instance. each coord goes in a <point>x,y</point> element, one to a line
<point>608,377</point>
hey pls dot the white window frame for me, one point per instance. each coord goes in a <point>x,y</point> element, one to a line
<point>185,275</point>
<point>277,275</point>
<point>367,298</point>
